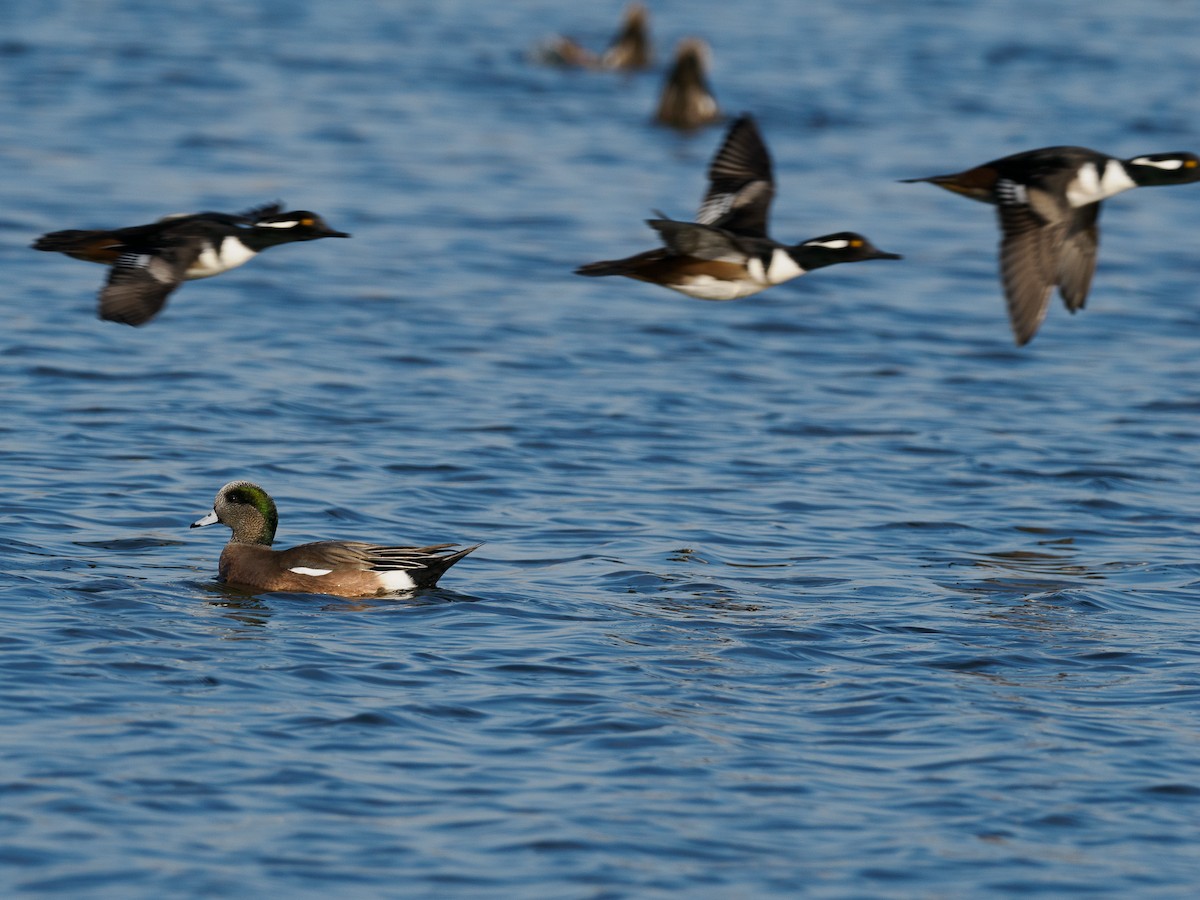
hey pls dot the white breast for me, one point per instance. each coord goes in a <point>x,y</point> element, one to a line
<point>779,269</point>
<point>1092,186</point>
<point>782,268</point>
<point>230,254</point>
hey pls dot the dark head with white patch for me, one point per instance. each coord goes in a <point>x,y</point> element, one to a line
<point>300,225</point>
<point>1164,168</point>
<point>842,247</point>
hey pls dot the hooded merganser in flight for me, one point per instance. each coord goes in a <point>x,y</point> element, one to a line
<point>726,254</point>
<point>628,51</point>
<point>339,568</point>
<point>1048,202</point>
<point>687,102</point>
<point>150,261</point>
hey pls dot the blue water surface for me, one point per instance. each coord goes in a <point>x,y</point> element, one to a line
<point>828,592</point>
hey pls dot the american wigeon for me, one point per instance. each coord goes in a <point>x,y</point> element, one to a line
<point>340,568</point>
<point>687,102</point>
<point>726,253</point>
<point>1048,202</point>
<point>150,261</point>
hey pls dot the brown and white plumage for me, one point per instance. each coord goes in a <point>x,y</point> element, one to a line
<point>340,568</point>
<point>726,253</point>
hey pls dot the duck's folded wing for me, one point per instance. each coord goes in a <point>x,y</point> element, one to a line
<point>699,241</point>
<point>323,557</point>
<point>340,555</point>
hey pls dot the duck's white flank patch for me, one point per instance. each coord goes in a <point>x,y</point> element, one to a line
<point>305,570</point>
<point>231,254</point>
<point>1090,186</point>
<point>396,580</point>
<point>1168,164</point>
<point>705,287</point>
<point>291,223</point>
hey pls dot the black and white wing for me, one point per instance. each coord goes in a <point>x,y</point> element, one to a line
<point>741,185</point>
<point>139,284</point>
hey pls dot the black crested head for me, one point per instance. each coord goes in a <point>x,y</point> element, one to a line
<point>299,225</point>
<point>1164,168</point>
<point>841,247</point>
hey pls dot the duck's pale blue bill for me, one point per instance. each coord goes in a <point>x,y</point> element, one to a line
<point>210,519</point>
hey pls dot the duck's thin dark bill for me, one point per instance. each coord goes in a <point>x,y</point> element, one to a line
<point>210,519</point>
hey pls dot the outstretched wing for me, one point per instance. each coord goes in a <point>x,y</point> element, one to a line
<point>741,185</point>
<point>1077,259</point>
<point>1034,228</point>
<point>139,284</point>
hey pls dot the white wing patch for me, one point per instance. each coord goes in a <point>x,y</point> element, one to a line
<point>1010,193</point>
<point>156,268</point>
<point>305,570</point>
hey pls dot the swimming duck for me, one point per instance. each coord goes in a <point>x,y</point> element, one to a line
<point>340,568</point>
<point>687,102</point>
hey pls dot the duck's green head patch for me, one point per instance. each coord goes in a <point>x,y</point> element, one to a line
<point>246,494</point>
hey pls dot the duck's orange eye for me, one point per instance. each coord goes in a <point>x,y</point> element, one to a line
<point>306,222</point>
<point>856,243</point>
<point>1190,164</point>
